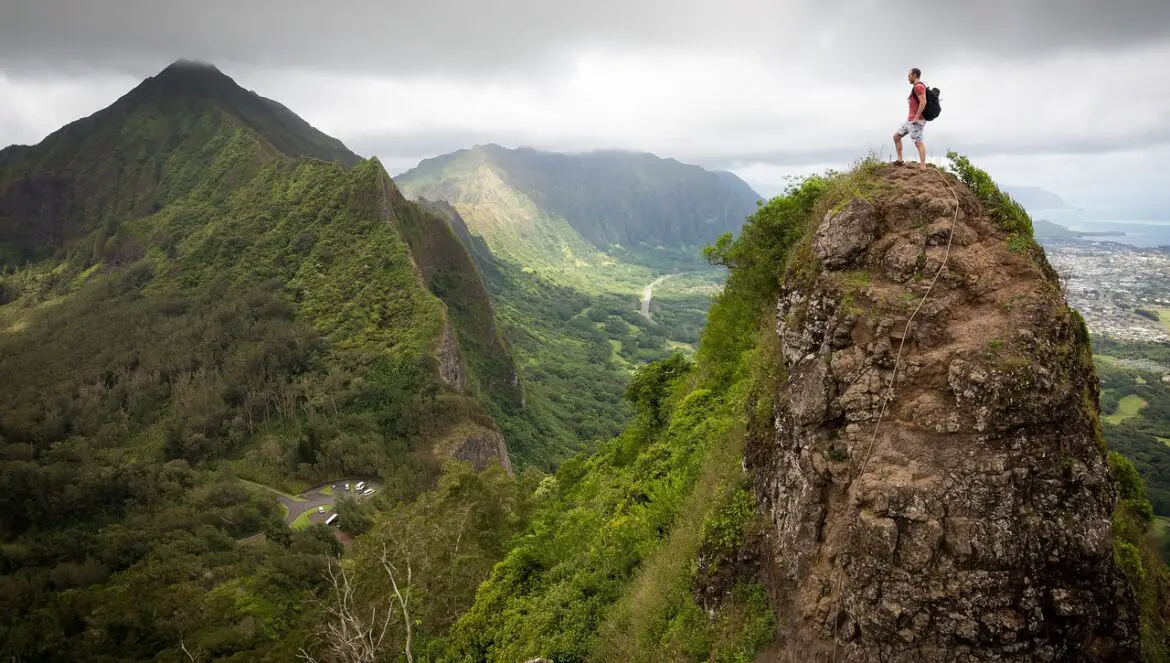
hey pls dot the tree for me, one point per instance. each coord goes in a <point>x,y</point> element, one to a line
<point>356,630</point>
<point>649,386</point>
<point>353,516</point>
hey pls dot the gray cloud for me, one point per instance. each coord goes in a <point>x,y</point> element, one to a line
<point>1087,146</point>
<point>460,37</point>
<point>405,149</point>
<point>757,86</point>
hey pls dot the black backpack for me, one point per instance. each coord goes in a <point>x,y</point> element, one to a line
<point>933,105</point>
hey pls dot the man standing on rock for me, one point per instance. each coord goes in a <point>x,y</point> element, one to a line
<point>915,123</point>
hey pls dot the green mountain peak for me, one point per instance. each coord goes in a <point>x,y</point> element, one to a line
<point>148,146</point>
<point>189,81</point>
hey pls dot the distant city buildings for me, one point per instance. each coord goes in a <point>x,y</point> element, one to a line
<point>1108,282</point>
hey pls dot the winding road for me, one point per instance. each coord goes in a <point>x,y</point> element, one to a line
<point>648,294</point>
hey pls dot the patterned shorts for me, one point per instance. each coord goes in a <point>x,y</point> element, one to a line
<point>913,128</point>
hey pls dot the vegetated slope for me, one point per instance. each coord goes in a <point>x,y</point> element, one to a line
<point>1140,438</point>
<point>977,527</point>
<point>564,344</point>
<point>214,302</point>
<point>452,276</point>
<point>607,198</point>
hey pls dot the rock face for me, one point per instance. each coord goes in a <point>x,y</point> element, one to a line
<point>845,234</point>
<point>973,523</point>
<point>451,361</point>
<point>476,445</point>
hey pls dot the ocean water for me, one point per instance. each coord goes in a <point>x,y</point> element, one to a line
<point>1146,232</point>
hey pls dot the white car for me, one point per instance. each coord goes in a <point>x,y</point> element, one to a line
<point>361,485</point>
<point>320,509</point>
<point>347,486</point>
<point>369,491</point>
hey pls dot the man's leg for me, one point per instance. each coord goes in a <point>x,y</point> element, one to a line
<point>914,129</point>
<point>898,145</point>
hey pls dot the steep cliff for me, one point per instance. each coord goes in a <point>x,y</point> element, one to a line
<point>934,479</point>
<point>452,275</point>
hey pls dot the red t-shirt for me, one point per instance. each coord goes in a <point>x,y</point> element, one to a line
<point>914,99</point>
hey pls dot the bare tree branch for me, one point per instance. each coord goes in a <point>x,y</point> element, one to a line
<point>462,529</point>
<point>403,601</point>
<point>351,632</point>
<point>190,656</point>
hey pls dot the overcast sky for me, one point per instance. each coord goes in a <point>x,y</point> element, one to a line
<point>1069,95</point>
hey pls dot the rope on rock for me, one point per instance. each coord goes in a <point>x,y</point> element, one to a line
<point>887,395</point>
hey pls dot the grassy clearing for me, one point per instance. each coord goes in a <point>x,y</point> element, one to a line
<point>272,490</point>
<point>1161,526</point>
<point>1164,317</point>
<point>303,521</point>
<point>1160,532</point>
<point>264,470</point>
<point>149,442</point>
<point>1127,408</point>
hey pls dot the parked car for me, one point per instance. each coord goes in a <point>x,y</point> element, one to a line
<point>320,509</point>
<point>347,486</point>
<point>368,491</point>
<point>361,485</point>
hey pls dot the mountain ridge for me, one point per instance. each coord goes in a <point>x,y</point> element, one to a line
<point>608,197</point>
<point>1032,197</point>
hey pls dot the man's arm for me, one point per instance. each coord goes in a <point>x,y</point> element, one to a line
<point>921,102</point>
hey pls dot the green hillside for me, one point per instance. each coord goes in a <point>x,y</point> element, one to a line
<point>198,290</point>
<point>575,349</point>
<point>1138,403</point>
<point>599,222</point>
<point>608,198</point>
